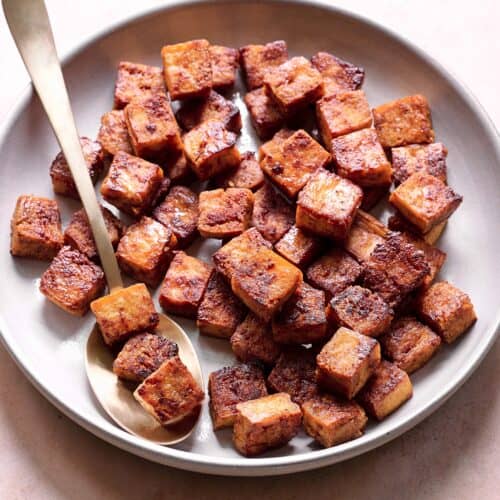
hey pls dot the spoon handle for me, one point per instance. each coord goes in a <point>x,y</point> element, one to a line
<point>30,27</point>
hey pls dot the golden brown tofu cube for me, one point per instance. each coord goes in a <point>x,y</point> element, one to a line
<point>225,64</point>
<point>409,344</point>
<point>187,69</point>
<point>342,113</point>
<point>331,420</point>
<point>220,311</point>
<point>298,247</point>
<point>143,354</point>
<point>258,60</point>
<point>373,195</point>
<point>62,179</point>
<point>113,133</point>
<point>327,205</point>
<point>404,121</point>
<point>124,313</point>
<point>131,184</point>
<point>264,113</point>
<point>35,228</point>
<point>247,174</point>
<point>232,385</point>
<point>72,281</point>
<point>225,213</point>
<point>447,310</point>
<point>397,222</point>
<point>425,200</point>
<point>265,423</point>
<point>273,146</point>
<point>184,285</point>
<point>178,170</point>
<point>170,393</point>
<point>360,157</point>
<point>347,361</point>
<point>388,388</point>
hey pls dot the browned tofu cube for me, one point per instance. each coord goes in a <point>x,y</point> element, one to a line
<point>298,247</point>
<point>331,420</point>
<point>404,121</point>
<point>365,234</point>
<point>170,393</point>
<point>232,385</point>
<point>273,146</point>
<point>62,179</point>
<point>361,310</point>
<point>220,311</point>
<point>187,69</point>
<point>35,228</point>
<point>265,423</point>
<point>124,313</point>
<point>137,81</point>
<point>360,157</point>
<point>247,174</point>
<point>225,213</point>
<point>425,200</point>
<point>225,64</point>
<point>131,184</point>
<point>388,388</point>
<point>143,354</point>
<point>327,205</point>
<point>113,133</point>
<point>397,222</point>
<point>264,113</point>
<point>72,281</point>
<point>372,196</point>
<point>342,113</point>
<point>184,285</point>
<point>409,344</point>
<point>178,170</point>
<point>258,60</point>
<point>347,361</point>
<point>447,310</point>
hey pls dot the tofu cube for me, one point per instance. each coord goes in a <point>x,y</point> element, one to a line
<point>247,174</point>
<point>399,223</point>
<point>264,113</point>
<point>113,133</point>
<point>273,146</point>
<point>372,196</point>
<point>225,64</point>
<point>178,170</point>
<point>298,247</point>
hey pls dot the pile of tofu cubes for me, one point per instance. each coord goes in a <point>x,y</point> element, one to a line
<point>327,309</point>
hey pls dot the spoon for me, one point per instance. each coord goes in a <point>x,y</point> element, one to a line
<point>30,27</point>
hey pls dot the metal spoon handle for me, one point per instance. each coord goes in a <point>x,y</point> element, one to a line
<point>30,27</point>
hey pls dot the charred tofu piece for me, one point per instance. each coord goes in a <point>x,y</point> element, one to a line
<point>72,281</point>
<point>447,310</point>
<point>298,247</point>
<point>131,184</point>
<point>225,64</point>
<point>258,60</point>
<point>232,385</point>
<point>264,113</point>
<point>347,361</point>
<point>342,113</point>
<point>265,423</point>
<point>184,285</point>
<point>125,313</point>
<point>388,388</point>
<point>327,205</point>
<point>187,69</point>
<point>113,133</point>
<point>425,200</point>
<point>372,196</point>
<point>365,234</point>
<point>360,310</point>
<point>247,174</point>
<point>142,355</point>
<point>397,222</point>
<point>225,213</point>
<point>178,170</point>
<point>35,228</point>
<point>62,180</point>
<point>170,393</point>
<point>404,121</point>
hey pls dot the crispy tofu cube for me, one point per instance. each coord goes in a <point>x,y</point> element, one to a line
<point>273,146</point>
<point>232,385</point>
<point>124,313</point>
<point>113,133</point>
<point>425,200</point>
<point>225,213</point>
<point>225,64</point>
<point>331,420</point>
<point>397,222</point>
<point>265,423</point>
<point>298,247</point>
<point>404,121</point>
<point>170,393</point>
<point>361,310</point>
<point>342,113</point>
<point>35,228</point>
<point>409,344</point>
<point>447,310</point>
<point>131,184</point>
<point>187,69</point>
<point>178,170</point>
<point>258,60</point>
<point>184,285</point>
<point>388,388</point>
<point>360,157</point>
<point>220,311</point>
<point>247,174</point>
<point>143,354</point>
<point>62,179</point>
<point>347,361</point>
<point>327,205</point>
<point>72,281</point>
<point>264,113</point>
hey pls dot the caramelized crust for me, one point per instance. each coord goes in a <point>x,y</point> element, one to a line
<point>273,146</point>
<point>178,170</point>
<point>113,133</point>
<point>397,222</point>
<point>247,175</point>
<point>298,247</point>
<point>264,113</point>
<point>225,64</point>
